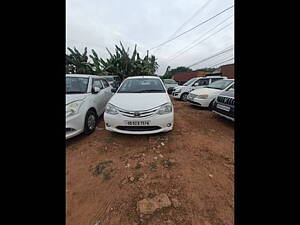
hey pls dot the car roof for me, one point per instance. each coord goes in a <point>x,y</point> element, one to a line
<point>82,75</point>
<point>109,76</point>
<point>137,77</point>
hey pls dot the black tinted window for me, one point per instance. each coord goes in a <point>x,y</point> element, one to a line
<point>105,83</point>
<point>142,85</point>
<point>201,82</point>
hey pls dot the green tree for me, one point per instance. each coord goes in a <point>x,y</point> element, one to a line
<point>77,62</point>
<point>123,65</point>
<point>169,73</point>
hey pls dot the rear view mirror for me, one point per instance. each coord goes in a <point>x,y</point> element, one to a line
<point>113,90</point>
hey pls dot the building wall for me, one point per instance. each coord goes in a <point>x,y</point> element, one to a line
<point>201,73</point>
<point>228,71</point>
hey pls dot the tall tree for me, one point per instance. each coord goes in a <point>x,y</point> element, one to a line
<point>77,62</point>
<point>123,65</point>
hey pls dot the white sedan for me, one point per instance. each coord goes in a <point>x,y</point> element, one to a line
<point>141,105</point>
<point>205,97</point>
<point>86,98</point>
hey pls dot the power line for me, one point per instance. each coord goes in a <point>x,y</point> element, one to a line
<point>204,39</point>
<point>210,57</point>
<point>186,22</point>
<point>193,27</point>
<point>221,62</point>
<point>198,38</point>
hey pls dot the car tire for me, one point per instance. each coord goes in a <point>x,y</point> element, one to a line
<point>211,104</point>
<point>183,97</point>
<point>90,122</point>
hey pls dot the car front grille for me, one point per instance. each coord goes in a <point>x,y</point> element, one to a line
<point>139,114</point>
<point>138,128</point>
<point>225,100</point>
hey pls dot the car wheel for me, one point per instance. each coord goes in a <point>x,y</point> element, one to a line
<point>211,104</point>
<point>90,122</point>
<point>184,97</point>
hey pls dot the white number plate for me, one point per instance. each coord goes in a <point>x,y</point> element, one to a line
<point>226,108</point>
<point>137,123</point>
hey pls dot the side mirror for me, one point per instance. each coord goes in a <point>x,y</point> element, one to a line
<point>95,90</point>
<point>113,90</point>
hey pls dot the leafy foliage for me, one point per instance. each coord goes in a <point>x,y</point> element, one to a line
<point>120,63</point>
<point>77,62</point>
<point>169,73</point>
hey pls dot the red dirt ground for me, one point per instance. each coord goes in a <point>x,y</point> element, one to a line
<point>194,166</point>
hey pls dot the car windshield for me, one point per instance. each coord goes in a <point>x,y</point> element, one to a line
<point>142,85</point>
<point>170,81</point>
<point>189,82</point>
<point>76,85</point>
<point>220,84</point>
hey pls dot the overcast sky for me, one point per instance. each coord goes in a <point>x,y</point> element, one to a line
<point>97,24</point>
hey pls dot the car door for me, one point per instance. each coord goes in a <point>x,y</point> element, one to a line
<point>107,90</point>
<point>99,99</point>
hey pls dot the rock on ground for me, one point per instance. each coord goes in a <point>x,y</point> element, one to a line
<point>148,206</point>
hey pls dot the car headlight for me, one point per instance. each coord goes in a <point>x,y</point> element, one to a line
<point>73,108</point>
<point>111,109</point>
<point>164,109</point>
<point>202,96</point>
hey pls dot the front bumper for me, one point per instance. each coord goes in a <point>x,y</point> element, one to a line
<point>74,125</point>
<point>229,115</point>
<point>116,123</point>
<point>199,102</point>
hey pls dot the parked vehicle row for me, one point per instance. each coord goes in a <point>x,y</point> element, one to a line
<point>217,96</point>
<point>181,92</point>
<point>141,104</point>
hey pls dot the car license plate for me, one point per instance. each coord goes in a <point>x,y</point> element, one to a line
<point>223,107</point>
<point>138,123</point>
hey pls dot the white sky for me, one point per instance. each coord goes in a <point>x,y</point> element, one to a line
<point>97,24</point>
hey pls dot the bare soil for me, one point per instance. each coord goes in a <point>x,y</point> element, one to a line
<point>108,173</point>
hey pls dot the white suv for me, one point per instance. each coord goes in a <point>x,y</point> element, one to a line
<point>86,98</point>
<point>181,92</point>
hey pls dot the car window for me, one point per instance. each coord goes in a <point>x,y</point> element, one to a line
<point>97,83</point>
<point>215,79</point>
<point>189,82</point>
<point>201,82</point>
<point>105,83</point>
<point>76,85</point>
<point>142,85</point>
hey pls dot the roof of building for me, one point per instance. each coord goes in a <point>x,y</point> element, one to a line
<point>232,64</point>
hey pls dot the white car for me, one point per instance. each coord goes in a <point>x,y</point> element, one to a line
<point>86,98</point>
<point>181,92</point>
<point>205,97</point>
<point>170,85</point>
<point>141,105</point>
